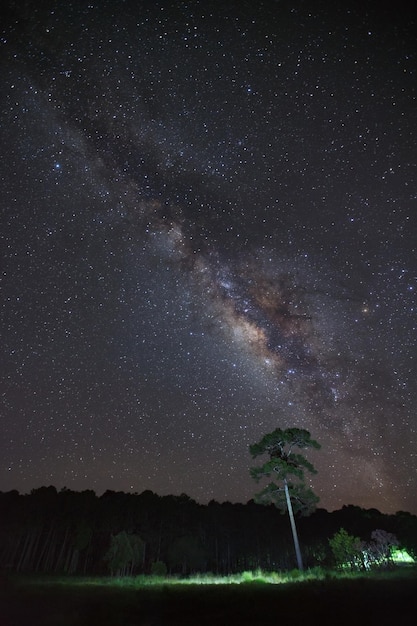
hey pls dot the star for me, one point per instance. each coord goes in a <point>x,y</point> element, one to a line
<point>207,227</point>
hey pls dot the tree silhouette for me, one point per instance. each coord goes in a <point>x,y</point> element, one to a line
<point>69,532</point>
<point>291,494</point>
<point>124,554</point>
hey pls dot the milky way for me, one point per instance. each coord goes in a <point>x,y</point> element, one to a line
<point>208,232</point>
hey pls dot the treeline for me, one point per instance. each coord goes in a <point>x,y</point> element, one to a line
<point>69,532</point>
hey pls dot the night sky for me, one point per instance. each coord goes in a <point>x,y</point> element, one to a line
<point>208,231</point>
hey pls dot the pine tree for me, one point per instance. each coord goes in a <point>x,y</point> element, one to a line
<point>288,468</point>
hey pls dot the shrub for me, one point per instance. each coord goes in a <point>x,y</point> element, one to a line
<point>347,549</point>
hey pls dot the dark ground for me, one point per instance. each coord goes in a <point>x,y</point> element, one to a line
<point>337,602</point>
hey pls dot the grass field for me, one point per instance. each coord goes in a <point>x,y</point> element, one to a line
<point>254,598</point>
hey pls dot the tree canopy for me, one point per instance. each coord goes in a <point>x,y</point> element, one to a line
<point>287,467</point>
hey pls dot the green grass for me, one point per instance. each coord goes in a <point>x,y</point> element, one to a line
<point>135,582</point>
<point>252,576</point>
<point>267,598</point>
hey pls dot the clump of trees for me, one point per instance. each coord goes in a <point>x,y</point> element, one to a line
<point>125,553</point>
<point>80,533</point>
<point>380,548</point>
<point>352,552</point>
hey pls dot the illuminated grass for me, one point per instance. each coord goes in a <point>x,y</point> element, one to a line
<point>258,576</point>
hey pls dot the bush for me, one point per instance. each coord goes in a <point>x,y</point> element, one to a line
<point>347,550</point>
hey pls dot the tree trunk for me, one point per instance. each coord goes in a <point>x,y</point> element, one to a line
<point>293,527</point>
<point>59,565</point>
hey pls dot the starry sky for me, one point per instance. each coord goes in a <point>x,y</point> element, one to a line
<point>208,231</point>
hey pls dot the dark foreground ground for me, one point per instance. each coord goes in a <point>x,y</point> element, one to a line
<point>337,602</point>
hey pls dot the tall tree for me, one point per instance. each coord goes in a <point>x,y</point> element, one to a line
<point>288,468</point>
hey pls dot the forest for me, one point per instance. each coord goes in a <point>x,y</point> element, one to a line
<point>79,533</point>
